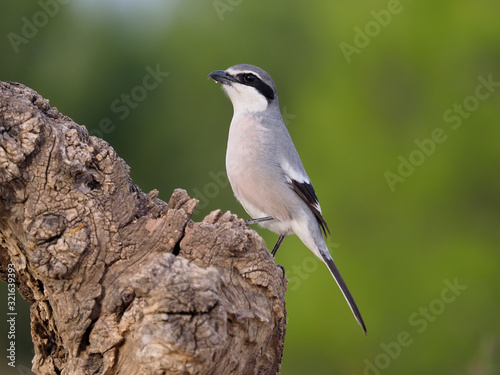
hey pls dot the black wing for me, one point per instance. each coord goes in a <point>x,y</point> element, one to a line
<point>306,192</point>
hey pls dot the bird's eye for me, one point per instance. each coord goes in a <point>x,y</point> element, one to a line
<point>249,78</point>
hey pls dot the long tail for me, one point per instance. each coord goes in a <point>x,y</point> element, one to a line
<point>312,237</point>
<point>327,258</point>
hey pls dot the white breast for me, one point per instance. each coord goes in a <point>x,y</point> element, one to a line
<point>252,177</point>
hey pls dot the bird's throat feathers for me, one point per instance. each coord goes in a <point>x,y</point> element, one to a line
<point>246,99</point>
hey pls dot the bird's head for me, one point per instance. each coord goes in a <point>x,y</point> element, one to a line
<point>249,87</point>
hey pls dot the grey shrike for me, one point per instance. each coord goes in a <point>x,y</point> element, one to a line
<point>265,171</point>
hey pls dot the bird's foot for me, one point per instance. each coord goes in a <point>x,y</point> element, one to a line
<point>258,220</point>
<point>282,269</point>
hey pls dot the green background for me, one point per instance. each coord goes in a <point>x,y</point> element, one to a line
<point>415,67</point>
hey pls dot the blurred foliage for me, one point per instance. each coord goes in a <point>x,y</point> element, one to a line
<point>352,122</point>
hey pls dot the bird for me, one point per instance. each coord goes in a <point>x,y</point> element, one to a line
<point>265,171</point>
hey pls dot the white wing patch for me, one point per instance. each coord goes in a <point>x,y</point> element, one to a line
<point>292,173</point>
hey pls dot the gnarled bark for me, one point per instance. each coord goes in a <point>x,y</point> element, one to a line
<point>121,282</point>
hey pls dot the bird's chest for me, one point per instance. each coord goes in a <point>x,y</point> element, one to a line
<point>246,148</point>
<point>253,171</point>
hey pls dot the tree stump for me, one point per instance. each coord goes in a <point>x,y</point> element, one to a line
<point>121,282</point>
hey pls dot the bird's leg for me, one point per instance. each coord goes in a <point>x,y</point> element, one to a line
<point>278,244</point>
<point>258,220</point>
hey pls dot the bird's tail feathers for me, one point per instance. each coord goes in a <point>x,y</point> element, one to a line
<point>311,237</point>
<point>328,260</point>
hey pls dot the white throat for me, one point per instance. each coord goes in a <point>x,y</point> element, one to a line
<point>245,98</point>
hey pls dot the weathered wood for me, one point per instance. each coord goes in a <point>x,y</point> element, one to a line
<point>121,282</point>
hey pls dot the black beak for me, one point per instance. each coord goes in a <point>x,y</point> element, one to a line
<point>221,76</point>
